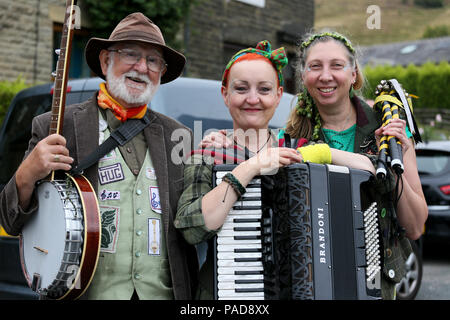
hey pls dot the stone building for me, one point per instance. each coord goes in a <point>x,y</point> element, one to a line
<point>214,30</point>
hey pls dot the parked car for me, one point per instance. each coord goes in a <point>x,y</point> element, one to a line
<point>197,103</point>
<point>433,163</point>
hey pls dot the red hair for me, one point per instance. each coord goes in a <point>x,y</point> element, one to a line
<point>251,56</point>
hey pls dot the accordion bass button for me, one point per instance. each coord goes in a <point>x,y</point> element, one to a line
<point>388,253</point>
<point>391,274</point>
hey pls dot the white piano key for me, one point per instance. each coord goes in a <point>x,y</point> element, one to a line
<point>232,255</point>
<point>233,277</point>
<point>245,212</point>
<point>230,240</point>
<point>232,263</point>
<point>231,233</point>
<point>231,225</point>
<point>231,247</point>
<point>233,285</point>
<point>232,270</point>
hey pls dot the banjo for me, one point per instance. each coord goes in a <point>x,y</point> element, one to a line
<point>60,244</point>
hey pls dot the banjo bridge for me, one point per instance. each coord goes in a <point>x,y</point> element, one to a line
<point>40,249</point>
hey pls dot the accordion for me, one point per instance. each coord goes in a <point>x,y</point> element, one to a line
<point>303,233</point>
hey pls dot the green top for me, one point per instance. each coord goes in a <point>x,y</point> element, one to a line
<point>342,140</point>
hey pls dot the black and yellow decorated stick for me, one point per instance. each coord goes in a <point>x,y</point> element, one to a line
<point>391,97</point>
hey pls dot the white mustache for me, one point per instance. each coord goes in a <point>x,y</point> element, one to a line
<point>135,74</point>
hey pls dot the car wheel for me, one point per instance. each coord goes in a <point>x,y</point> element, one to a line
<point>409,286</point>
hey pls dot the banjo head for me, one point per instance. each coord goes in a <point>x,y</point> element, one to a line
<point>52,240</point>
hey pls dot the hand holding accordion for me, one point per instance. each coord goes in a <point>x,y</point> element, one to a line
<point>390,96</point>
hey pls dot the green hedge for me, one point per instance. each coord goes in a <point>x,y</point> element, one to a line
<point>8,90</point>
<point>430,82</point>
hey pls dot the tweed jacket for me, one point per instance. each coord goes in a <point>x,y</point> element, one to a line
<point>81,131</point>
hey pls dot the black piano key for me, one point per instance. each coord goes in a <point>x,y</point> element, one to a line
<point>245,220</point>
<point>249,290</point>
<point>247,237</point>
<point>246,281</point>
<point>247,207</point>
<point>247,259</point>
<point>244,273</point>
<point>253,185</point>
<point>246,228</point>
<point>247,250</point>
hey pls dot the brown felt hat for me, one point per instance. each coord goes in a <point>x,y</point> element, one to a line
<point>136,27</point>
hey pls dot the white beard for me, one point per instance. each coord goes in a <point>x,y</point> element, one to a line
<point>117,87</point>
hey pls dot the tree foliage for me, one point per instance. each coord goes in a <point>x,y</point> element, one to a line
<point>8,90</point>
<point>429,82</point>
<point>436,31</point>
<point>167,14</point>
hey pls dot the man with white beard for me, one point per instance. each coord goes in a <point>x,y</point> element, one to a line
<point>142,255</point>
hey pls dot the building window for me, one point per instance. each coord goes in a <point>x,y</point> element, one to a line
<point>256,3</point>
<point>78,66</point>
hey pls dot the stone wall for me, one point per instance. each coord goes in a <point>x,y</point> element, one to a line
<point>213,31</point>
<point>219,28</point>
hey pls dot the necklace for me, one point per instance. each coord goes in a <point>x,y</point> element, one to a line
<point>262,147</point>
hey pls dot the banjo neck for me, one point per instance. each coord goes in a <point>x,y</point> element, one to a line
<point>62,71</point>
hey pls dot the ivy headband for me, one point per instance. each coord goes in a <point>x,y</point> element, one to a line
<point>305,44</point>
<point>277,57</point>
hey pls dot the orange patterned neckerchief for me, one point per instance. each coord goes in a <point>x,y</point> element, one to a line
<point>105,101</point>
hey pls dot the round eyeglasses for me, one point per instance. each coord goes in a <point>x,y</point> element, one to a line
<point>154,63</point>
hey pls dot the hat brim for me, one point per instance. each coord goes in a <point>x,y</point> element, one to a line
<point>175,61</point>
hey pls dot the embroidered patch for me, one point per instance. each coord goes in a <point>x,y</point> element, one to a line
<point>150,173</point>
<point>154,199</point>
<point>110,228</point>
<point>154,237</point>
<point>109,156</point>
<point>110,173</point>
<point>109,195</point>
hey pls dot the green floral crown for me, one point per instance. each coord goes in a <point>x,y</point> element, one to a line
<point>305,44</point>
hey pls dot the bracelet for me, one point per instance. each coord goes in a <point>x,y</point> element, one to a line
<point>234,183</point>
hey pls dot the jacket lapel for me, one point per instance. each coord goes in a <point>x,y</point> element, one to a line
<point>86,134</point>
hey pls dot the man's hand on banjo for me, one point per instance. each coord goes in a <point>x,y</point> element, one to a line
<point>50,154</point>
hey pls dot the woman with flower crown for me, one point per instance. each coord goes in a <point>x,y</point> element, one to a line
<point>328,110</point>
<point>252,87</point>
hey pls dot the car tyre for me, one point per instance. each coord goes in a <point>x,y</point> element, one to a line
<point>409,286</point>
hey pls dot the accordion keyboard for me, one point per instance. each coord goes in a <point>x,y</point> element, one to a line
<point>238,247</point>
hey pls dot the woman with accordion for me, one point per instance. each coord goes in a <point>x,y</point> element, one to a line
<point>328,110</point>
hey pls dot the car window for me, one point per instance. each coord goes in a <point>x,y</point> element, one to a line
<point>18,132</point>
<point>432,162</point>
